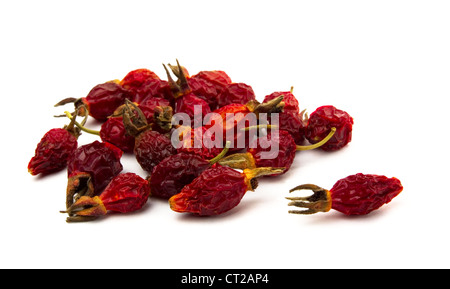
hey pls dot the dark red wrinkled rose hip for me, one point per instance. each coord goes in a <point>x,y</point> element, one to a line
<point>114,132</point>
<point>126,193</point>
<point>151,147</point>
<point>90,169</point>
<point>357,194</point>
<point>52,152</point>
<point>240,93</point>
<point>322,120</point>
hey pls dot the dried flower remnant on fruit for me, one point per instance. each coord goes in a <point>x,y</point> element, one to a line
<point>357,194</point>
<point>90,169</point>
<point>127,192</point>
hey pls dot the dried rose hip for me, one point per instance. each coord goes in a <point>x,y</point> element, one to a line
<point>322,120</point>
<point>233,118</point>
<point>155,88</point>
<point>174,172</point>
<point>90,168</point>
<point>126,193</point>
<point>54,149</point>
<point>217,190</point>
<point>218,78</point>
<point>200,142</point>
<point>357,194</point>
<point>151,147</point>
<point>277,149</point>
<point>204,90</point>
<point>101,101</point>
<point>290,101</point>
<point>240,93</point>
<point>135,78</point>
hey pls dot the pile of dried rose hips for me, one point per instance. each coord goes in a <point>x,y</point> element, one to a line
<point>140,115</point>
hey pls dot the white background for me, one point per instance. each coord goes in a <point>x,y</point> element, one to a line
<point>387,63</point>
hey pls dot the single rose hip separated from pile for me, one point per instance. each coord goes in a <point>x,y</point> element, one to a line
<point>126,193</point>
<point>357,194</point>
<point>90,169</point>
<point>217,190</point>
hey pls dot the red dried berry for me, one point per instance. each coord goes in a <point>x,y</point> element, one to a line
<point>174,172</point>
<point>126,193</point>
<point>204,90</point>
<point>357,194</point>
<point>195,107</point>
<point>201,142</point>
<point>322,120</point>
<point>90,168</point>
<point>240,93</point>
<point>149,104</point>
<point>114,132</point>
<point>53,151</point>
<point>153,88</point>
<point>217,190</point>
<point>218,78</point>
<point>276,149</point>
<point>135,78</point>
<point>104,99</point>
<point>290,101</point>
<point>151,147</point>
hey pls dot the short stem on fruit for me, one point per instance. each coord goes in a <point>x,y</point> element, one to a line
<point>251,175</point>
<point>221,155</point>
<point>239,161</point>
<point>319,144</point>
<point>80,126</point>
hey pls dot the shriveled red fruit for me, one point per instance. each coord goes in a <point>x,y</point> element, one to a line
<point>276,149</point>
<point>233,118</point>
<point>90,168</point>
<point>53,151</point>
<point>101,101</point>
<point>155,88</point>
<point>174,172</point>
<point>151,147</point>
<point>217,190</point>
<point>113,131</point>
<point>127,192</point>
<point>290,101</point>
<point>200,142</point>
<point>204,90</point>
<point>322,120</point>
<point>218,78</point>
<point>240,93</point>
<point>149,104</point>
<point>195,107</point>
<point>135,78</point>
<point>357,194</point>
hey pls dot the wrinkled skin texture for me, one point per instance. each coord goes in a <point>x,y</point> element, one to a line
<point>52,152</point>
<point>216,191</point>
<point>199,143</point>
<point>126,193</point>
<point>104,99</point>
<point>204,90</point>
<point>114,132</point>
<point>148,105</point>
<point>100,160</point>
<point>186,104</point>
<point>322,120</point>
<point>151,147</point>
<point>153,88</point>
<point>290,101</point>
<point>136,78</point>
<point>173,173</point>
<point>218,78</point>
<point>292,123</point>
<point>240,93</point>
<point>286,150</point>
<point>361,194</point>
